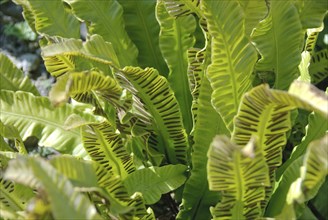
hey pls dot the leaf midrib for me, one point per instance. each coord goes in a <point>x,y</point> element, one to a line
<point>13,200</point>
<point>107,149</point>
<point>148,40</point>
<point>44,122</point>
<point>181,71</point>
<point>157,121</point>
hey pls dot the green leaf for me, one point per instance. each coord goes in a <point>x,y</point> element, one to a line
<point>312,36</point>
<point>152,182</point>
<point>278,198</point>
<point>4,146</point>
<point>84,87</point>
<point>311,12</point>
<point>308,97</point>
<point>175,38</point>
<point>90,176</point>
<point>265,114</point>
<point>10,132</point>
<point>106,147</point>
<point>60,57</point>
<point>233,57</point>
<point>13,197</point>
<point>318,67</point>
<point>5,157</point>
<point>179,8</point>
<point>58,188</point>
<point>278,38</point>
<point>321,199</point>
<point>254,11</point>
<point>316,128</point>
<point>304,67</point>
<point>121,203</point>
<point>313,174</point>
<point>156,106</point>
<point>316,167</point>
<point>241,174</point>
<point>52,18</point>
<point>35,116</point>
<point>11,78</point>
<point>143,29</point>
<point>197,198</point>
<point>79,172</point>
<point>105,18</point>
<point>27,12</point>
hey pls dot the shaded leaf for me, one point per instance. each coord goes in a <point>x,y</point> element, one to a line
<point>175,38</point>
<point>278,38</point>
<point>318,67</point>
<point>152,182</point>
<point>143,29</point>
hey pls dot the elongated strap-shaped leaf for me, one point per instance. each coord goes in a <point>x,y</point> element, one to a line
<point>197,198</point>
<point>143,29</point>
<point>254,11</point>
<point>241,174</point>
<point>233,57</point>
<point>52,19</point>
<point>303,67</point>
<point>106,148</point>
<point>316,128</point>
<point>316,167</point>
<point>175,38</point>
<point>195,70</point>
<point>197,62</point>
<point>278,198</point>
<point>318,68</point>
<point>79,172</point>
<point>152,182</point>
<point>35,116</point>
<point>179,8</point>
<point>278,38</point>
<point>57,187</point>
<point>123,205</point>
<point>13,196</point>
<point>11,78</point>
<point>59,57</point>
<point>81,85</point>
<point>311,12</point>
<point>158,103</point>
<point>106,19</point>
<point>290,170</point>
<point>312,36</point>
<point>313,174</point>
<point>91,176</point>
<point>265,113</point>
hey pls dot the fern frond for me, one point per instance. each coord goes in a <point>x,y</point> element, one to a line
<point>156,103</point>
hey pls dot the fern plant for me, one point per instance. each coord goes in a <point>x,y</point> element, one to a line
<point>169,109</point>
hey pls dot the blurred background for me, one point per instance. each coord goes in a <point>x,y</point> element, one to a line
<point>20,44</point>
